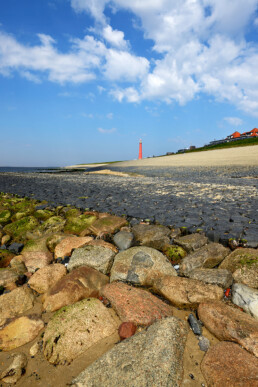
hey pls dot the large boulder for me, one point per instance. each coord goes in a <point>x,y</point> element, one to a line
<point>185,292</point>
<point>227,364</point>
<point>67,245</point>
<point>207,256</point>
<point>230,324</point>
<point>151,235</point>
<point>135,305</point>
<point>74,329</point>
<point>16,302</point>
<point>246,298</point>
<point>80,283</point>
<point>191,242</point>
<point>140,265</point>
<point>20,331</point>
<point>220,277</point>
<point>46,277</point>
<point>107,225</point>
<point>153,357</point>
<point>247,275</point>
<point>97,257</point>
<point>240,258</point>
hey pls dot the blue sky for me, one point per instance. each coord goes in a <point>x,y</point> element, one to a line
<point>83,80</point>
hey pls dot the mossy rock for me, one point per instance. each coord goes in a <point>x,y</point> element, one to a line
<point>22,205</point>
<point>174,253</point>
<point>5,216</point>
<point>39,244</point>
<point>5,258</point>
<point>19,229</point>
<point>43,214</point>
<point>20,215</point>
<point>69,212</point>
<point>75,225</point>
<point>55,224</point>
<point>53,240</point>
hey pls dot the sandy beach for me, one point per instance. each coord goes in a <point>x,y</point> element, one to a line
<point>231,156</point>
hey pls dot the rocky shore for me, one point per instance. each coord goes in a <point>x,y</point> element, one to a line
<point>89,298</point>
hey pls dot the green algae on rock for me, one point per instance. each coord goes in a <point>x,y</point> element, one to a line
<point>5,216</point>
<point>174,253</point>
<point>75,225</point>
<point>19,228</point>
<point>5,258</point>
<point>43,214</point>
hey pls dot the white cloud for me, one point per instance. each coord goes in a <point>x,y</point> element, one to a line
<point>107,131</point>
<point>235,121</point>
<point>114,37</point>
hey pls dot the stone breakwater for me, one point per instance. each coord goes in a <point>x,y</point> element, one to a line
<point>92,299</point>
<point>221,201</point>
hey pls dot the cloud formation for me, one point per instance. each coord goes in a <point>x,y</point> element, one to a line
<point>202,47</point>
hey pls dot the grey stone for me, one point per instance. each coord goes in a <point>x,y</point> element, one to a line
<point>8,276</point>
<point>123,240</point>
<point>151,358</point>
<point>207,256</point>
<point>220,277</point>
<point>204,343</point>
<point>140,265</point>
<point>246,298</point>
<point>97,257</point>
<point>151,235</point>
<point>191,242</point>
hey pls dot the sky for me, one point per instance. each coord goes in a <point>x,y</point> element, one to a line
<point>83,80</point>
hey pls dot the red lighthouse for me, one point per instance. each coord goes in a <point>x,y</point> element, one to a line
<point>140,150</point>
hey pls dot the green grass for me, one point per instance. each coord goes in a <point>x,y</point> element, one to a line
<point>232,144</point>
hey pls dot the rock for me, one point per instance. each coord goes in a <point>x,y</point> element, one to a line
<point>153,357</point>
<point>151,235</point>
<point>140,265</point>
<point>46,277</point>
<point>227,365</point>
<point>123,240</point>
<point>20,331</point>
<point>53,225</point>
<point>185,292</point>
<point>247,276</point>
<point>246,298</point>
<point>126,330</point>
<point>97,257</point>
<point>33,245</point>
<point>220,277</point>
<point>100,242</point>
<point>5,239</point>
<point>80,283</point>
<point>174,253</point>
<point>191,242</point>
<point>135,305</point>
<point>65,246</point>
<point>204,343</point>
<point>15,247</point>
<point>53,240</point>
<point>5,258</point>
<point>77,224</point>
<point>7,276</point>
<point>15,371</point>
<point>195,326</point>
<point>230,324</point>
<point>16,302</point>
<point>36,259</point>
<point>34,349</point>
<point>207,256</point>
<point>43,214</point>
<point>240,258</point>
<point>5,216</point>
<point>18,229</point>
<point>107,225</point>
<point>18,265</point>
<point>74,329</point>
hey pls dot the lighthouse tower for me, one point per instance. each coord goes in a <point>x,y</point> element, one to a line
<point>140,150</point>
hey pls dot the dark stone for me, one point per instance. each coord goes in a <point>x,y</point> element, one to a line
<point>196,328</point>
<point>15,247</point>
